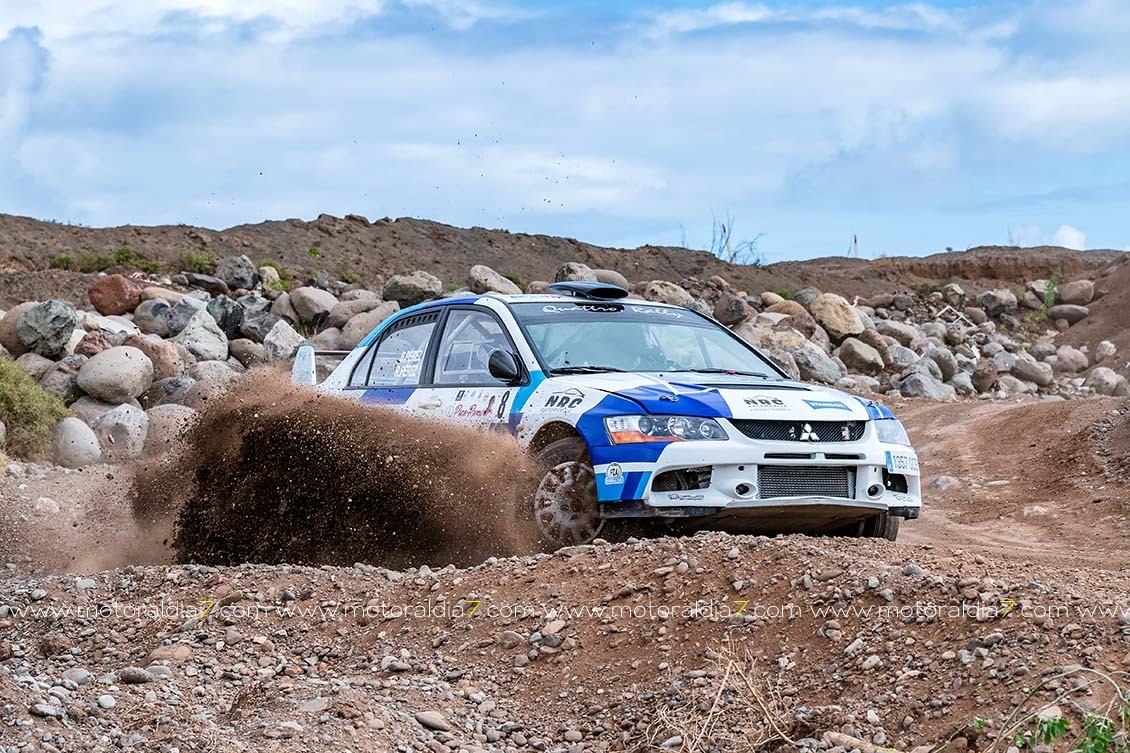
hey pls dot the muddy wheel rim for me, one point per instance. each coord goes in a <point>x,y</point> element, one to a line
<point>565,506</point>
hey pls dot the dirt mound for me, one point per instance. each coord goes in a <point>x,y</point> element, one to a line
<point>275,473</point>
<point>1110,315</point>
<point>732,643</point>
<point>374,250</point>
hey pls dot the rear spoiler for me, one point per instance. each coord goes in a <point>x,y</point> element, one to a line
<point>305,368</point>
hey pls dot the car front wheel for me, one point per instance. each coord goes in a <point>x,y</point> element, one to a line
<point>565,509</point>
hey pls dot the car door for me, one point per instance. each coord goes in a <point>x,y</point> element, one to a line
<point>392,370</point>
<point>463,390</point>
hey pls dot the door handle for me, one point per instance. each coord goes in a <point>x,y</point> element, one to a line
<point>431,404</point>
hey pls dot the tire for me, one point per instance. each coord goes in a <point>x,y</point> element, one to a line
<point>564,506</point>
<point>881,526</point>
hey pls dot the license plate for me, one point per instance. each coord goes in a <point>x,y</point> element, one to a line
<point>898,462</point>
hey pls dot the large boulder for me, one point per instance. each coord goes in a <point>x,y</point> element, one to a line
<point>283,309</point>
<point>46,327</point>
<point>357,328</point>
<point>945,359</point>
<point>730,309</point>
<point>611,277</point>
<point>248,352</point>
<point>984,376</point>
<point>871,337</point>
<point>74,444</point>
<point>920,384</point>
<point>92,343</point>
<point>1071,313</point>
<point>163,354</point>
<point>9,340</point>
<point>997,302</point>
<point>1105,381</point>
<point>483,279</point>
<point>904,333</point>
<point>237,272</point>
<point>347,309</point>
<point>838,317</point>
<point>182,312</point>
<point>281,342</point>
<point>228,315</point>
<point>667,292</point>
<point>573,271</point>
<point>311,304</point>
<point>1077,293</point>
<point>35,365</point>
<point>203,338</point>
<point>152,317</point>
<point>117,375</point>
<point>87,408</point>
<point>121,432</point>
<point>173,390</point>
<point>113,295</point>
<point>858,356</point>
<point>816,366</point>
<point>805,296</point>
<point>954,295</point>
<point>256,325</point>
<point>167,426</point>
<point>61,380</point>
<point>1069,360</point>
<point>408,290</point>
<point>1030,370</point>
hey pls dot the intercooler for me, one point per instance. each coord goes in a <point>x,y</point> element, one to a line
<point>775,481</point>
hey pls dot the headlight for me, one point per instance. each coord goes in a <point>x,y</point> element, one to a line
<point>628,429</point>
<point>890,430</point>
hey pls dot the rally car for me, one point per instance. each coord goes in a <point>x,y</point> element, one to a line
<point>638,410</point>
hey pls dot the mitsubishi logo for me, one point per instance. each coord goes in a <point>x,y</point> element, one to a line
<point>807,434</point>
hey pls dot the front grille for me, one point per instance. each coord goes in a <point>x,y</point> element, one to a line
<point>805,481</point>
<point>801,431</point>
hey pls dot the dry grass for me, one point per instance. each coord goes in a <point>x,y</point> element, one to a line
<point>737,707</point>
<point>28,411</point>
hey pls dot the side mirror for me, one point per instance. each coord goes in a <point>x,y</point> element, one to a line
<point>503,365</point>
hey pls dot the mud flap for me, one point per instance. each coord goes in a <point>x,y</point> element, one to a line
<point>304,371</point>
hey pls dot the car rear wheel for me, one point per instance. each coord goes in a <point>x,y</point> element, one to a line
<point>564,508</point>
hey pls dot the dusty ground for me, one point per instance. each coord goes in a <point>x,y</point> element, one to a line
<point>617,647</point>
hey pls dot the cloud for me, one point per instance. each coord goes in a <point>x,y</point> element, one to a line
<point>806,122</point>
<point>1070,237</point>
<point>1067,236</point>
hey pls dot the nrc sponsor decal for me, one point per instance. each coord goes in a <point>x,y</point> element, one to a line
<point>826,405</point>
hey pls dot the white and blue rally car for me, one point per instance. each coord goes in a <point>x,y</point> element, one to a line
<point>639,410</point>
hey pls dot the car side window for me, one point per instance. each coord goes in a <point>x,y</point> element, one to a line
<point>397,360</point>
<point>469,337</point>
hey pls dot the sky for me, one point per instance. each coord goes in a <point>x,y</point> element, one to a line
<point>913,127</point>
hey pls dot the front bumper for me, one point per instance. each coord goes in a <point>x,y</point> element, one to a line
<point>765,482</point>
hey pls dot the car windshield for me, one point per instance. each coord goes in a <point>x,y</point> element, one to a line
<point>624,336</point>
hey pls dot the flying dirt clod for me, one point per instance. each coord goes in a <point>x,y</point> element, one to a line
<point>280,474</point>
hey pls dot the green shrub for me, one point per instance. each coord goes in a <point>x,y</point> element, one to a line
<point>90,263</point>
<point>786,293</point>
<point>930,287</point>
<point>350,276</point>
<point>28,411</point>
<point>197,262</point>
<point>64,261</point>
<point>517,279</point>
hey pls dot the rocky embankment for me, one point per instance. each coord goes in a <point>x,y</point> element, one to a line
<point>155,349</point>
